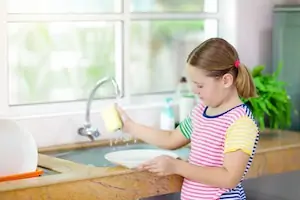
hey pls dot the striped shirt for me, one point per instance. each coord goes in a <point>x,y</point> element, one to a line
<point>213,136</point>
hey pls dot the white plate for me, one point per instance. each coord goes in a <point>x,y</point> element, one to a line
<point>133,158</point>
<point>18,150</point>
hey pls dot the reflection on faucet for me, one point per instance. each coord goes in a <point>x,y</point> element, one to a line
<point>87,129</point>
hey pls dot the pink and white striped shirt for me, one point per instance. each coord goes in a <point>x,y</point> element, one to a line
<point>213,136</point>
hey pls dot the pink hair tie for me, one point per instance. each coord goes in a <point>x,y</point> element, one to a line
<point>237,63</point>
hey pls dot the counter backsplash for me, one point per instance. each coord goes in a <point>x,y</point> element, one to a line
<point>62,129</point>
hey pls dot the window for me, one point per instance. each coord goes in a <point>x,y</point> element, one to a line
<point>209,6</point>
<point>159,49</point>
<point>57,50</point>
<point>65,6</point>
<point>61,61</point>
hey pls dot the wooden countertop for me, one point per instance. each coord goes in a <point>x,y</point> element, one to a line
<point>270,141</point>
<point>70,171</point>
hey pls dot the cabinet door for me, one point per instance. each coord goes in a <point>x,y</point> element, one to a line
<point>286,49</point>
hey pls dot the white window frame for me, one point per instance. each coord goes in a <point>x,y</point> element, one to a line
<point>79,106</point>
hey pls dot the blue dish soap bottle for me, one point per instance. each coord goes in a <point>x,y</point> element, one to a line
<point>167,116</point>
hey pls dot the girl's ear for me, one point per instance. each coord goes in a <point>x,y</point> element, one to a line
<point>227,80</point>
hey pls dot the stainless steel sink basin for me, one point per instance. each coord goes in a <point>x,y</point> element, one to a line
<point>95,156</point>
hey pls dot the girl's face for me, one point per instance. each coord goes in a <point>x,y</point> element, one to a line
<point>210,90</point>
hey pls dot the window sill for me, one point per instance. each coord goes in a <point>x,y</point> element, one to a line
<point>78,108</point>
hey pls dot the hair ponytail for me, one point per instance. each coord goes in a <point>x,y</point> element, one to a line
<point>244,83</point>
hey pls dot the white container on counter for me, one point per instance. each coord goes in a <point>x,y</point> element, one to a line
<point>186,104</point>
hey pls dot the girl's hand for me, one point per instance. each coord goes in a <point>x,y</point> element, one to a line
<point>127,121</point>
<point>161,165</point>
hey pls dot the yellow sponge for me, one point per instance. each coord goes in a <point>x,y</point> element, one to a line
<point>112,119</point>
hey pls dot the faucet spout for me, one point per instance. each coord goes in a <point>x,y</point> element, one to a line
<point>87,129</point>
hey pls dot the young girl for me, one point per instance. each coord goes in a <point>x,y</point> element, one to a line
<point>221,129</point>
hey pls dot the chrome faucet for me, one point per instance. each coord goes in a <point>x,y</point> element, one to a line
<point>87,129</point>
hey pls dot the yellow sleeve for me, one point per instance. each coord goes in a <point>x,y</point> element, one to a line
<point>241,135</point>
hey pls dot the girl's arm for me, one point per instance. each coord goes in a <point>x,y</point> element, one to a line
<point>163,139</point>
<point>241,139</point>
<point>227,176</point>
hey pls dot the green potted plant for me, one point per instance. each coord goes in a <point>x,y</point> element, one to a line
<point>272,107</point>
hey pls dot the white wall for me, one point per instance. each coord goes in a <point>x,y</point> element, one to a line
<point>62,129</point>
<point>254,30</point>
<point>245,23</point>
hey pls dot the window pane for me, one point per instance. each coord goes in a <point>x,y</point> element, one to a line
<point>174,6</point>
<point>159,50</point>
<point>61,61</point>
<point>63,6</point>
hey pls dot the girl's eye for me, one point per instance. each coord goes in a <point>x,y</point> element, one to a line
<point>199,86</point>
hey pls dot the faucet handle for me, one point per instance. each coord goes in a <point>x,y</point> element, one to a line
<point>89,132</point>
<point>96,133</point>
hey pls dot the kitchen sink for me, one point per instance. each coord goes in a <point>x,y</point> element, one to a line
<point>95,156</point>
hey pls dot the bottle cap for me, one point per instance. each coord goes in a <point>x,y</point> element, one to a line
<point>183,80</point>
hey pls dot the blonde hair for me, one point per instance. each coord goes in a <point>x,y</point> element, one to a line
<point>218,57</point>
